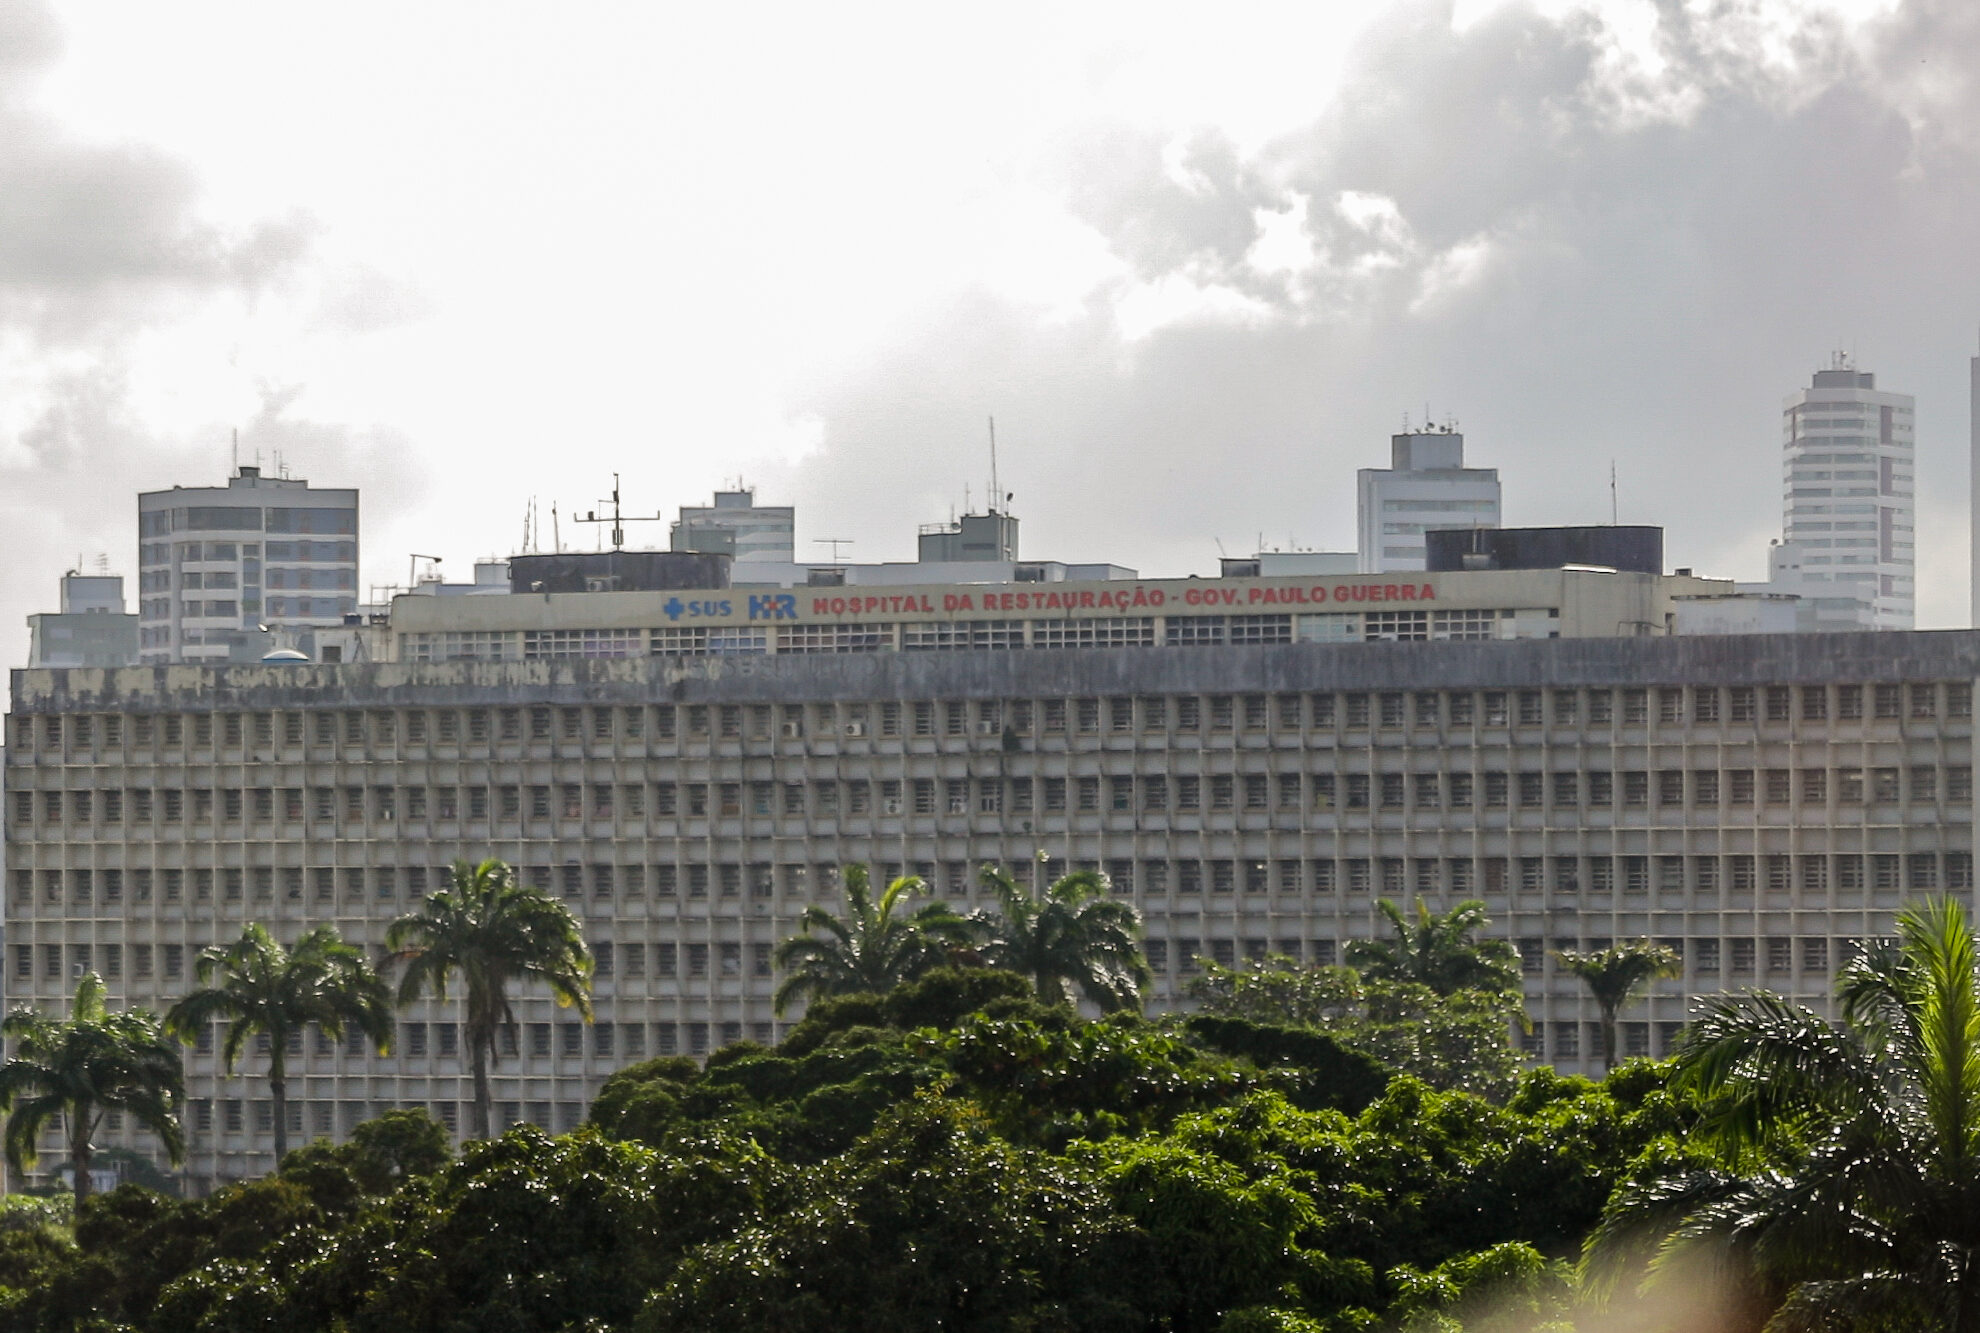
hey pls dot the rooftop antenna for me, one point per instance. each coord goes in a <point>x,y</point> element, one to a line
<point>1613,521</point>
<point>618,520</point>
<point>994,492</point>
<point>237,448</point>
<point>556,529</point>
<point>835,543</point>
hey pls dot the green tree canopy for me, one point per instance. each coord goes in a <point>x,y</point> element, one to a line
<point>1456,1042</point>
<point>80,1067</point>
<point>875,945</point>
<point>491,932</point>
<point>1075,934</point>
<point>258,988</point>
<point>1836,1166</point>
<point>1438,951</point>
<point>1617,975</point>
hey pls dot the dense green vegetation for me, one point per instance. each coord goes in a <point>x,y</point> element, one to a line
<point>953,1154</point>
<point>952,1146</point>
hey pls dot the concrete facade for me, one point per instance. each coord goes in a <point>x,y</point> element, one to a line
<point>1762,802</point>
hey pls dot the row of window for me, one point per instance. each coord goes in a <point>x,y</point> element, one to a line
<point>1325,793</point>
<point>631,961</point>
<point>1568,1040</point>
<point>1739,956</point>
<point>525,645</point>
<point>1673,706</point>
<point>1389,875</point>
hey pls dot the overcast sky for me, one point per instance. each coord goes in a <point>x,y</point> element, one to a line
<point>1198,262</point>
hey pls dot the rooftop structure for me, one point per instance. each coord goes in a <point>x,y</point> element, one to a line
<point>1640,549</point>
<point>1127,613</point>
<point>1426,486</point>
<point>91,629</point>
<point>736,526</point>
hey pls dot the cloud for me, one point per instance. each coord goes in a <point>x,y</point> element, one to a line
<point>105,254</point>
<point>1587,242</point>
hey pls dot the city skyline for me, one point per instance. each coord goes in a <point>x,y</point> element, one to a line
<point>1198,278</point>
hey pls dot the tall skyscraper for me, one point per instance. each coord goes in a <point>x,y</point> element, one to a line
<point>1425,486</point>
<point>1848,499</point>
<point>217,562</point>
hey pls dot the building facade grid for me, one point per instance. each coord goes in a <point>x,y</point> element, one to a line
<point>1761,806</point>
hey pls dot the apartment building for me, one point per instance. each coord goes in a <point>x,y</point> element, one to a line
<point>1763,803</point>
<point>218,563</point>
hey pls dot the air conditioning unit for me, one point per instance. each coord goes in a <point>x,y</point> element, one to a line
<point>793,729</point>
<point>987,727</point>
<point>891,806</point>
<point>855,728</point>
<point>958,807</point>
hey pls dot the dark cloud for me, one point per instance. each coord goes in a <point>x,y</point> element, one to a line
<point>1583,256</point>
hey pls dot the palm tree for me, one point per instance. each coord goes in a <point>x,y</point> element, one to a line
<point>1438,951</point>
<point>266,990</point>
<point>492,931</point>
<point>1616,975</point>
<point>873,947</point>
<point>1844,1180</point>
<point>1075,933</point>
<point>78,1068</point>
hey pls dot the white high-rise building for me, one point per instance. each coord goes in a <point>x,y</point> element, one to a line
<point>1426,486</point>
<point>217,562</point>
<point>1848,499</point>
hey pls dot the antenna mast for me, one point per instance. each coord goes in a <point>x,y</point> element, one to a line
<point>996,496</point>
<point>1613,510</point>
<point>618,520</point>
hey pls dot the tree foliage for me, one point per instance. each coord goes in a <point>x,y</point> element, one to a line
<point>1832,1173</point>
<point>1440,951</point>
<point>79,1068</point>
<point>873,946</point>
<point>1617,975</point>
<point>491,932</point>
<point>258,988</point>
<point>1074,940</point>
<point>1461,1041</point>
